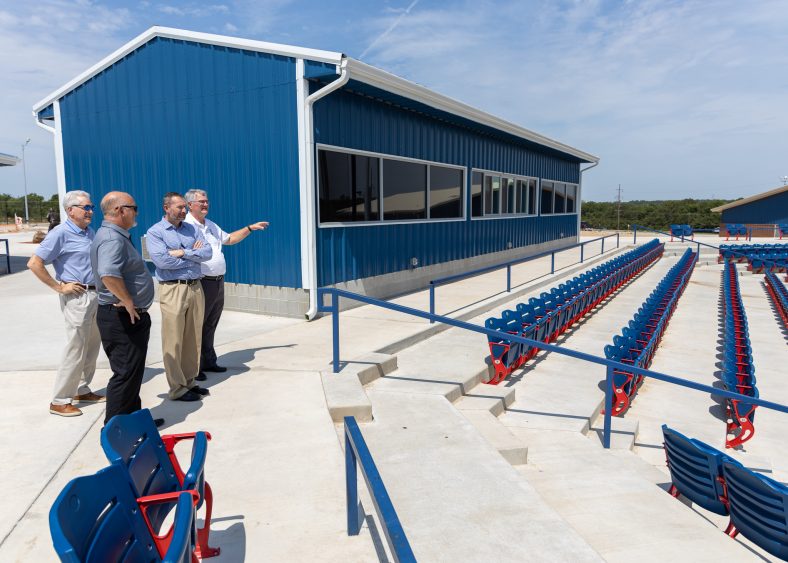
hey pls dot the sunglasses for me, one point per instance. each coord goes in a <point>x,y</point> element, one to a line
<point>134,207</point>
<point>87,208</point>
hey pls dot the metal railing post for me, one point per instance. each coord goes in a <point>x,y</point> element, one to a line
<point>552,263</point>
<point>698,250</point>
<point>508,278</point>
<point>351,488</point>
<point>432,301</point>
<point>618,241</point>
<point>335,329</point>
<point>603,246</point>
<point>635,240</point>
<point>608,407</point>
<point>582,248</point>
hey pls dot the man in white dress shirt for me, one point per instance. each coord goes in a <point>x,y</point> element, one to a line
<point>213,272</point>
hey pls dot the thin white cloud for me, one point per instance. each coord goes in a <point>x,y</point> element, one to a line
<point>389,29</point>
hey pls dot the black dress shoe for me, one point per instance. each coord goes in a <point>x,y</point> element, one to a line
<point>189,396</point>
<point>217,369</point>
<point>201,376</point>
<point>159,422</point>
<point>202,391</point>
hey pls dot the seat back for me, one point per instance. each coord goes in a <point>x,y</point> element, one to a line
<point>695,469</point>
<point>132,441</point>
<point>96,519</point>
<point>759,508</point>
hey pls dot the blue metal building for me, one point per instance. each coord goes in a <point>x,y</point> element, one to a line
<point>369,181</point>
<point>760,212</point>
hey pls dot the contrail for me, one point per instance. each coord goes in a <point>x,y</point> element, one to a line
<point>389,30</point>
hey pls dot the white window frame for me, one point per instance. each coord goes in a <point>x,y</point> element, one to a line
<point>577,191</point>
<point>381,210</point>
<point>515,177</point>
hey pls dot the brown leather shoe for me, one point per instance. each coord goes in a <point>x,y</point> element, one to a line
<point>64,410</point>
<point>90,398</point>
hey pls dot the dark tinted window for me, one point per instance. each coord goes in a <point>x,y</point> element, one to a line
<point>445,192</point>
<point>546,198</point>
<point>560,191</point>
<point>532,197</point>
<point>476,194</point>
<point>571,194</point>
<point>404,190</point>
<point>349,187</point>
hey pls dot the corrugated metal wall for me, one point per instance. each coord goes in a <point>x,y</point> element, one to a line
<point>350,120</point>
<point>174,115</point>
<point>773,209</point>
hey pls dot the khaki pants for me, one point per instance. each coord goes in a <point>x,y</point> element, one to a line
<point>182,310</point>
<point>78,363</point>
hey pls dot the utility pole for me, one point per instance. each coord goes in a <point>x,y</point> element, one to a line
<point>618,208</point>
<point>24,171</point>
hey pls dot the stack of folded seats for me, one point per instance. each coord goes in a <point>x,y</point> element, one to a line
<point>546,317</point>
<point>779,295</point>
<point>638,341</point>
<point>738,370</point>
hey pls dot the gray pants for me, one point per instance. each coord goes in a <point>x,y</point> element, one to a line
<point>78,363</point>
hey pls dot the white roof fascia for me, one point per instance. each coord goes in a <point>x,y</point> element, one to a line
<point>391,83</point>
<point>9,160</point>
<point>750,199</point>
<point>209,38</point>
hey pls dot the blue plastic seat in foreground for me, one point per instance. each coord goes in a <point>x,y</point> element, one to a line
<point>132,442</point>
<point>759,509</point>
<point>97,518</point>
<point>696,470</point>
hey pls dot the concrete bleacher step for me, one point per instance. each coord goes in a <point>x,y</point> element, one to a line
<point>492,398</point>
<point>454,494</point>
<point>344,391</point>
<point>499,437</point>
<point>623,432</point>
<point>618,503</point>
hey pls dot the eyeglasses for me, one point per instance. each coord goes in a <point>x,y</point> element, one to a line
<point>201,201</point>
<point>87,208</point>
<point>134,207</point>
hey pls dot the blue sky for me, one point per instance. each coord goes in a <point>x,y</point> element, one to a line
<point>678,99</point>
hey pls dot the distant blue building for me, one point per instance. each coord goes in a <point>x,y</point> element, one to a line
<point>760,212</point>
<point>370,182</point>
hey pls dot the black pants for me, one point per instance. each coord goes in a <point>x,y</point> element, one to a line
<point>126,346</point>
<point>213,290</point>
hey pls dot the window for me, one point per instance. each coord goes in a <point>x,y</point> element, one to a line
<point>367,187</point>
<point>571,195</point>
<point>546,198</point>
<point>563,196</point>
<point>476,194</point>
<point>445,192</point>
<point>560,193</point>
<point>349,187</point>
<point>405,190</point>
<point>494,194</point>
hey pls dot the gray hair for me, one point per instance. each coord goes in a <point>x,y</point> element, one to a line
<point>192,194</point>
<point>71,199</point>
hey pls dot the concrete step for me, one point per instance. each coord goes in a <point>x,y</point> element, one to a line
<point>491,398</point>
<point>619,504</point>
<point>453,492</point>
<point>623,432</point>
<point>499,437</point>
<point>344,391</point>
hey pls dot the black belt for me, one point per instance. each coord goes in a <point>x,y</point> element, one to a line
<point>86,286</point>
<point>184,282</point>
<point>140,310</point>
<point>213,278</point>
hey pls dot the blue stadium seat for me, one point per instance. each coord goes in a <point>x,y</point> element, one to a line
<point>97,518</point>
<point>132,442</point>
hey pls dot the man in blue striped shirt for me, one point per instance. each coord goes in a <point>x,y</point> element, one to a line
<point>67,248</point>
<point>177,249</point>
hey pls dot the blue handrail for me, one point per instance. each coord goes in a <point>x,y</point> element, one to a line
<point>610,364</point>
<point>357,454</point>
<point>698,243</point>
<point>508,265</point>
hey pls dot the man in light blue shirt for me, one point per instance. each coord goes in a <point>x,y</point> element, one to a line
<point>177,249</point>
<point>67,248</point>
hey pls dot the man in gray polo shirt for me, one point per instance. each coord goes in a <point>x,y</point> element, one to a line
<point>125,291</point>
<point>67,248</point>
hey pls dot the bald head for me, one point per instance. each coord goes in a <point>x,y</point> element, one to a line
<point>117,208</point>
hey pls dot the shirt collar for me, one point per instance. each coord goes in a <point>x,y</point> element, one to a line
<point>74,229</point>
<point>167,225</point>
<point>117,228</point>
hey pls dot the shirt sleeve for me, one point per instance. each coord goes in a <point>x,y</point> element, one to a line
<point>51,246</point>
<point>202,254</point>
<point>109,259</point>
<point>157,249</point>
<point>224,237</point>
